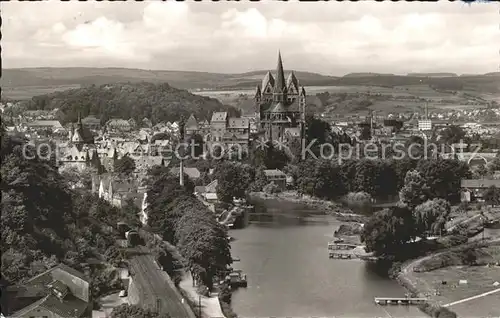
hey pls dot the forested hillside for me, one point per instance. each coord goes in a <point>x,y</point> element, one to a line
<point>158,102</point>
<point>44,222</point>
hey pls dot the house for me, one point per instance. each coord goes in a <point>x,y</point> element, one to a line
<point>59,292</point>
<point>118,125</point>
<point>276,176</point>
<point>91,122</point>
<point>191,126</point>
<point>208,192</point>
<point>192,173</point>
<point>39,125</point>
<point>114,190</point>
<point>473,189</point>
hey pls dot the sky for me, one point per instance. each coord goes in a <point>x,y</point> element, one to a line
<point>331,38</point>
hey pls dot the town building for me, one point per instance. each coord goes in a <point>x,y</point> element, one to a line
<point>115,190</point>
<point>473,189</point>
<point>120,125</point>
<point>91,122</point>
<point>49,125</point>
<point>59,292</point>
<point>425,125</point>
<point>280,105</point>
<point>276,176</point>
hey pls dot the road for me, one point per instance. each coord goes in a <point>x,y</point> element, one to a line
<point>156,288</point>
<point>472,298</point>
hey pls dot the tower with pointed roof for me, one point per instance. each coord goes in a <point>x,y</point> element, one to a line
<point>280,105</point>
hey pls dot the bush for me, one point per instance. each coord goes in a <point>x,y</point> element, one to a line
<point>359,202</point>
<point>271,188</point>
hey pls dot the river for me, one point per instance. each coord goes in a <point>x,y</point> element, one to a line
<point>284,254</point>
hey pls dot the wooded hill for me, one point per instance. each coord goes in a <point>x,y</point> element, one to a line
<point>158,102</point>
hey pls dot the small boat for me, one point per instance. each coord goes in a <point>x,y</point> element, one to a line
<point>338,240</point>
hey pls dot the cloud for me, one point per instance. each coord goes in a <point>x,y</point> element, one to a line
<point>326,37</point>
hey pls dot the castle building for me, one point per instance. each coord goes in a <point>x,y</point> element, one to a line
<point>280,106</point>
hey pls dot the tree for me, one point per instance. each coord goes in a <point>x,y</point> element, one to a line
<point>125,165</point>
<point>431,216</point>
<point>492,195</point>
<point>359,202</point>
<point>320,178</point>
<point>135,311</point>
<point>269,156</point>
<point>271,188</point>
<point>444,176</point>
<point>387,231</point>
<point>452,134</point>
<point>233,180</point>
<point>480,172</point>
<point>203,243</point>
<point>415,190</point>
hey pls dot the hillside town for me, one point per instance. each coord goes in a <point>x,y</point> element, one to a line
<point>176,160</point>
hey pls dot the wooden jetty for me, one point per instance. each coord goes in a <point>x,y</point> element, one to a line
<point>341,246</point>
<point>337,255</point>
<point>399,301</point>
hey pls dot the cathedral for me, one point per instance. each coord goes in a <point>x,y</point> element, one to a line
<point>280,106</point>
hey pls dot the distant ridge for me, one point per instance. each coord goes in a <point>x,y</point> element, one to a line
<point>432,74</point>
<point>22,83</point>
<point>367,74</point>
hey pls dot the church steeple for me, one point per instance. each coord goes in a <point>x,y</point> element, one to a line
<point>280,85</point>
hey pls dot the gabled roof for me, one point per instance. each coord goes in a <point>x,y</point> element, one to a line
<point>211,187</point>
<point>91,119</point>
<point>191,123</point>
<point>292,80</point>
<point>54,124</point>
<point>257,92</point>
<point>192,173</point>
<point>268,78</point>
<point>219,116</point>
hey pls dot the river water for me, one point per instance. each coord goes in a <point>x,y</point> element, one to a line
<point>284,254</point>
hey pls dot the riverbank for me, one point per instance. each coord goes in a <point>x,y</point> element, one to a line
<point>332,208</point>
<point>450,276</point>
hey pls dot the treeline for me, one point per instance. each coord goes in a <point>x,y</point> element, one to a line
<point>44,222</point>
<point>184,221</point>
<point>158,102</point>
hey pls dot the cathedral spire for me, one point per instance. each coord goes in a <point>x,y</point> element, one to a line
<point>279,86</point>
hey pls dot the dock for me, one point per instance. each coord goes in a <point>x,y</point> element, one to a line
<point>399,301</point>
<point>332,254</point>
<point>341,246</point>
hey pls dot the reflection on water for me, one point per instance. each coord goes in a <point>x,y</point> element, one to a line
<point>284,253</point>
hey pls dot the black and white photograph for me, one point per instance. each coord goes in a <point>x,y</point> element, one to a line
<point>250,159</point>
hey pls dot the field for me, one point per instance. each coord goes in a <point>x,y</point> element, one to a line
<point>385,99</point>
<point>480,279</point>
<point>26,92</point>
